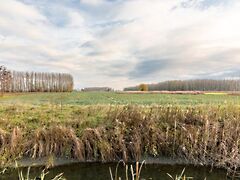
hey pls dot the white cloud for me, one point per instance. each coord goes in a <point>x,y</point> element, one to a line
<point>92,2</point>
<point>113,47</point>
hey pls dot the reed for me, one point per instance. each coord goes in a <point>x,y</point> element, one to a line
<point>27,175</point>
<point>182,176</point>
<point>206,135</point>
<point>134,174</point>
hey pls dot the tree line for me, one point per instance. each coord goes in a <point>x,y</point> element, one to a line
<point>97,89</point>
<point>15,81</point>
<point>192,85</point>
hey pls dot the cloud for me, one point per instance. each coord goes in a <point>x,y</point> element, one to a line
<point>92,2</point>
<point>203,3</point>
<point>148,67</point>
<point>120,43</point>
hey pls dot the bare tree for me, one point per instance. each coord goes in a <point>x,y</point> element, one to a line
<point>193,85</point>
<point>34,81</point>
<point>5,78</point>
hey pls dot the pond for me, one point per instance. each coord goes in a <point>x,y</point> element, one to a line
<point>100,171</point>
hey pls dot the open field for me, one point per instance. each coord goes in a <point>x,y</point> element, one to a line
<point>94,98</point>
<point>89,126</point>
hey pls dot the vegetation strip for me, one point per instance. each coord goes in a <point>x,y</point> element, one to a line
<point>190,85</point>
<point>207,135</point>
<point>95,98</point>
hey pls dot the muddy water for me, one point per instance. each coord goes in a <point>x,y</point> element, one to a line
<point>100,171</point>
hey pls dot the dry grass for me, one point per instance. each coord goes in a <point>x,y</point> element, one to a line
<point>202,135</point>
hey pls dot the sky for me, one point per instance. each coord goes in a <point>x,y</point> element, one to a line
<point>121,43</point>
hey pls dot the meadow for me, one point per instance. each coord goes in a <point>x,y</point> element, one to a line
<point>96,98</point>
<point>108,127</point>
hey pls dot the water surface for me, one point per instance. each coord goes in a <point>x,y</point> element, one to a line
<point>100,171</point>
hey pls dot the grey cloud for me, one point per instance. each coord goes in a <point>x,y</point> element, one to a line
<point>57,16</point>
<point>107,45</point>
<point>114,23</point>
<point>148,67</point>
<point>225,55</point>
<point>203,4</point>
<point>224,74</point>
<point>87,44</point>
<point>90,49</point>
<point>116,69</point>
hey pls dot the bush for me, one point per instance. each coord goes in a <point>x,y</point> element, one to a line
<point>143,87</point>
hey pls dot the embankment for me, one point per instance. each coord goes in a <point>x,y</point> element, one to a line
<point>206,135</point>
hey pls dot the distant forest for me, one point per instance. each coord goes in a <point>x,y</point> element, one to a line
<point>192,85</point>
<point>14,81</point>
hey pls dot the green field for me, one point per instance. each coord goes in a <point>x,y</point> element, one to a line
<point>95,98</point>
<point>108,126</point>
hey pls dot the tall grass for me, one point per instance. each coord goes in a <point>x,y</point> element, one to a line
<point>182,176</point>
<point>28,176</point>
<point>42,176</point>
<point>135,174</point>
<point>206,135</point>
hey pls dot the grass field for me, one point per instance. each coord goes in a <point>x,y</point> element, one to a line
<point>108,126</point>
<point>115,132</point>
<point>94,98</point>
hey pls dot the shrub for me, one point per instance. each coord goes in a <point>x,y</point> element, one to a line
<point>143,87</point>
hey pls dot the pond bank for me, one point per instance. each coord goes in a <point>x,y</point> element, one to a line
<point>53,162</point>
<point>203,135</point>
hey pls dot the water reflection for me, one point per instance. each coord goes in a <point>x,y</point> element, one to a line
<point>100,171</point>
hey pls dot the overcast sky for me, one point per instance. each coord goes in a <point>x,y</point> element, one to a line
<point>120,43</point>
